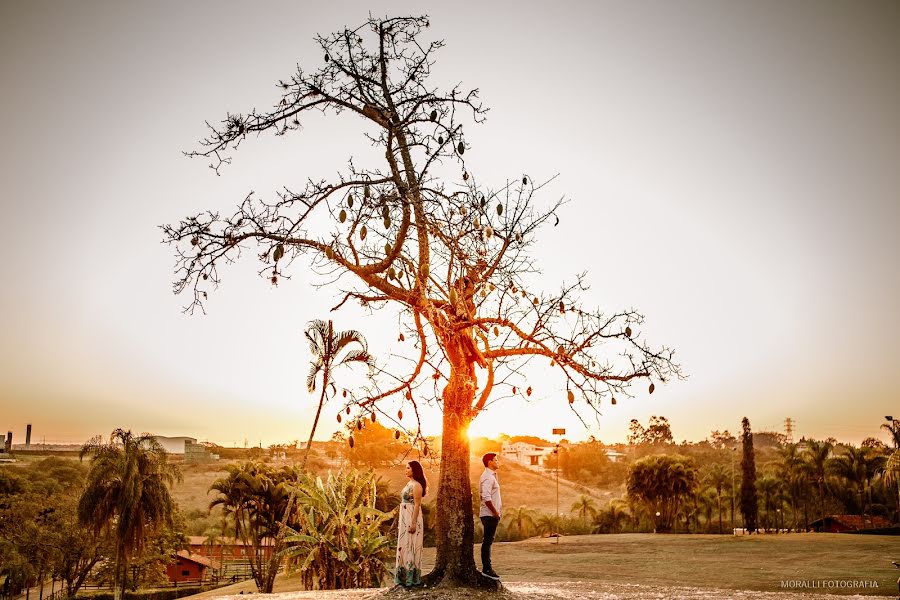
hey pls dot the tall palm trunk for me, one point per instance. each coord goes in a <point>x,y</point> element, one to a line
<point>325,375</point>
<point>719,505</point>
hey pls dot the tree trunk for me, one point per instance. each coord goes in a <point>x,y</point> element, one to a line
<point>117,581</point>
<point>325,376</point>
<point>455,530</point>
<point>719,506</point>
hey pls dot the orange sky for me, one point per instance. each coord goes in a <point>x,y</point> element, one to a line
<point>734,171</point>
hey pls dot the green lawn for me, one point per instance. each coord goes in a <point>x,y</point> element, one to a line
<point>758,562</point>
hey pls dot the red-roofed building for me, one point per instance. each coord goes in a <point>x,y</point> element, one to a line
<point>848,523</point>
<point>227,549</point>
<point>188,566</point>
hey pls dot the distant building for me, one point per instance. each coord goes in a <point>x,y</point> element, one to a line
<point>614,456</point>
<point>188,566</point>
<point>226,549</point>
<point>198,453</point>
<point>528,455</point>
<point>848,523</point>
<point>538,456</point>
<point>174,445</point>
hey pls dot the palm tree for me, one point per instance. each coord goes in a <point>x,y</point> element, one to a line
<point>521,521</point>
<point>817,454</point>
<point>616,513</point>
<point>662,483</point>
<point>326,346</point>
<point>858,466</point>
<point>768,488</point>
<point>794,473</point>
<point>256,496</point>
<point>718,478</point>
<point>127,492</point>
<point>585,506</point>
<point>708,500</point>
<point>548,523</point>
<point>891,471</point>
<point>891,475</point>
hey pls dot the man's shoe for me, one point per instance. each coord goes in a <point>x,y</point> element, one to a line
<point>491,573</point>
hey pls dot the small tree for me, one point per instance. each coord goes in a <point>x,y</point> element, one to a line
<point>585,507</point>
<point>420,233</point>
<point>749,501</point>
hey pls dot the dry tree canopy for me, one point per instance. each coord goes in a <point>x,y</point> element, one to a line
<point>452,253</point>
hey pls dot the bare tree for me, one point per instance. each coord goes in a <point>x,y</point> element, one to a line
<point>452,255</point>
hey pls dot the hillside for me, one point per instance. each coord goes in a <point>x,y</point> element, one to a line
<point>520,486</point>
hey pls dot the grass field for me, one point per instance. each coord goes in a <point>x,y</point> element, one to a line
<point>696,562</point>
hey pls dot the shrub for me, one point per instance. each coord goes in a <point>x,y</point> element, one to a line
<point>338,542</point>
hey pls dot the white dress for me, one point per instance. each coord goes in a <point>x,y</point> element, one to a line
<point>409,545</point>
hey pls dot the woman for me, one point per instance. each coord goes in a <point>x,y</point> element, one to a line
<point>409,531</point>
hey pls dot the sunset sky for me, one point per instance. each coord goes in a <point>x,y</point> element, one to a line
<point>733,170</point>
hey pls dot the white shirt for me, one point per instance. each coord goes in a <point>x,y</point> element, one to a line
<point>489,487</point>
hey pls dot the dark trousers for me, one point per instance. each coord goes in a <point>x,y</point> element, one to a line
<point>490,530</point>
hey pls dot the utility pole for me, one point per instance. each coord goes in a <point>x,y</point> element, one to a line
<point>559,433</point>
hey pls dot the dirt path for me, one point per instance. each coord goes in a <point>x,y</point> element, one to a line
<point>559,590</point>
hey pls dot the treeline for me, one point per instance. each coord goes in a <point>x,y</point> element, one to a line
<point>697,487</point>
<point>42,538</point>
<point>113,520</point>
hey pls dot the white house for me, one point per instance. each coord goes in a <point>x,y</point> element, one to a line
<point>174,445</point>
<point>614,456</point>
<point>527,455</point>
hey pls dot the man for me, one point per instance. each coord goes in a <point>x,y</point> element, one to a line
<point>491,506</point>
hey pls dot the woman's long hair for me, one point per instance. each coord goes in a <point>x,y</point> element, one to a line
<point>418,474</point>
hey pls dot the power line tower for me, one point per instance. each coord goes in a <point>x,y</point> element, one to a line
<point>789,430</point>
